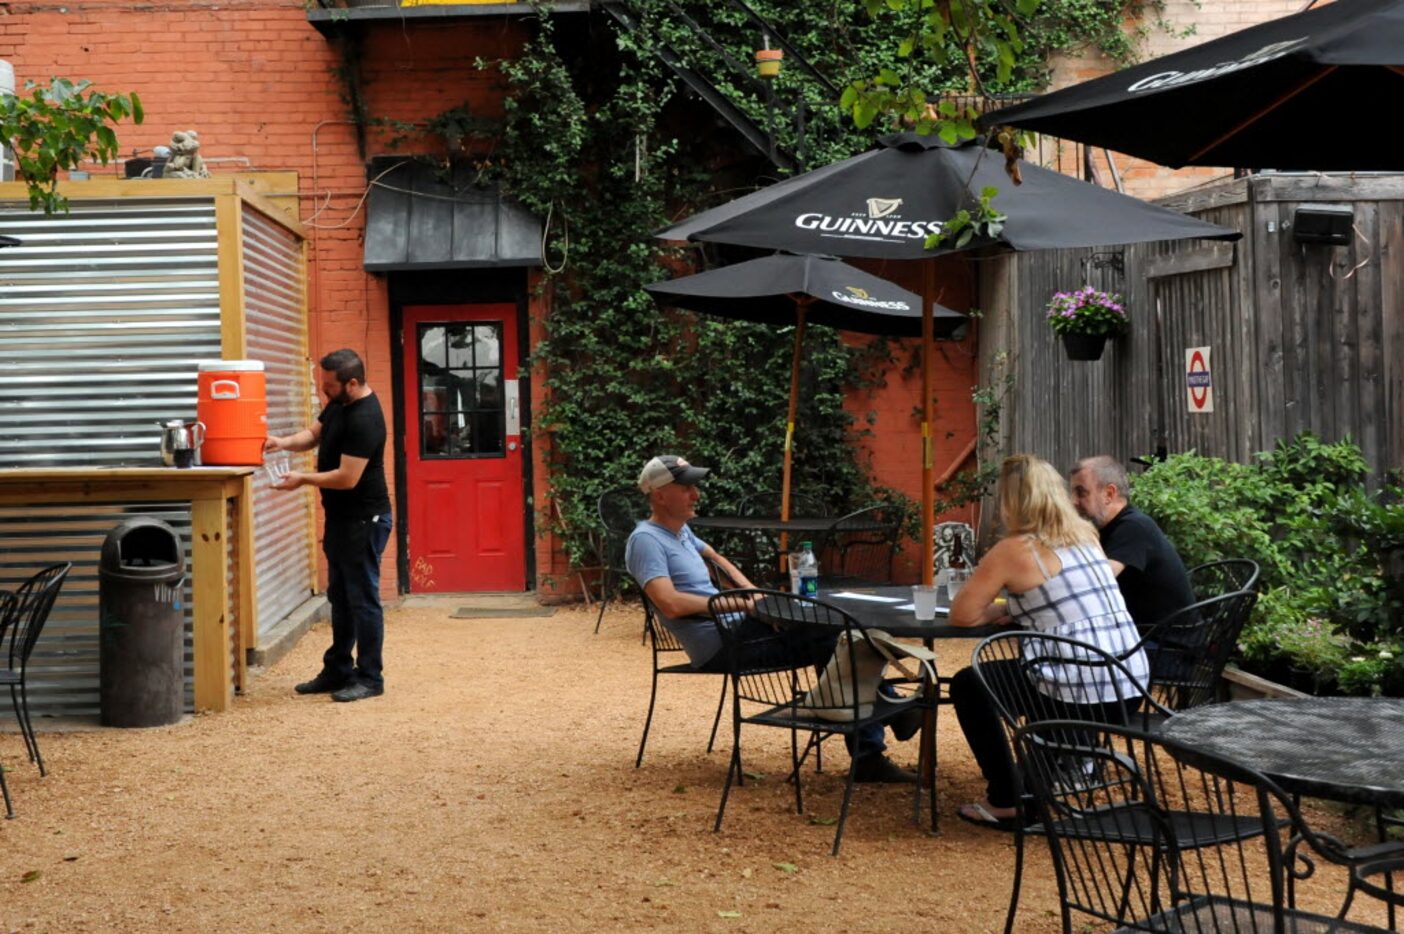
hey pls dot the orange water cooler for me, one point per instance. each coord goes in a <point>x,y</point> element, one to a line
<point>233,404</point>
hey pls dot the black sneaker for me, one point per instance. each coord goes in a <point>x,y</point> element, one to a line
<point>322,684</point>
<point>877,769</point>
<point>358,691</point>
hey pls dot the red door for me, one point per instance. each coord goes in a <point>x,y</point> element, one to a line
<point>463,452</point>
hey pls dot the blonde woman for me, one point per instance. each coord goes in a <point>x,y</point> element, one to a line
<point>1059,582</point>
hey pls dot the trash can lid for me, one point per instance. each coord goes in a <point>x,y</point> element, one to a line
<point>139,545</point>
<point>227,366</point>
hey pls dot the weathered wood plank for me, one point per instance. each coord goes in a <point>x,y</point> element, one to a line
<point>1209,256</point>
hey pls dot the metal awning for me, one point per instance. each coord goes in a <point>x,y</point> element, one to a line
<point>421,216</point>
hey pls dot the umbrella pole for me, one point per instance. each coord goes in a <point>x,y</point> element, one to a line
<point>801,305</point>
<point>928,440</point>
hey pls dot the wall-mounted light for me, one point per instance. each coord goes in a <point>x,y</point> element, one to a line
<point>1330,224</point>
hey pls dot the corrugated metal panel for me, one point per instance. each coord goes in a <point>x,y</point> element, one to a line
<point>64,667</point>
<point>275,325</point>
<point>103,313</point>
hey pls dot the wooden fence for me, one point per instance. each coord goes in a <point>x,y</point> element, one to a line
<point>1300,335</point>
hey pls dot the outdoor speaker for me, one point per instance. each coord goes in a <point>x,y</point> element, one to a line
<point>1323,223</point>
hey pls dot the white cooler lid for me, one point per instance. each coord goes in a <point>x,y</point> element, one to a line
<point>227,366</point>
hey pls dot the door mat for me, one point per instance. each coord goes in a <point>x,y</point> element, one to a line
<point>488,612</point>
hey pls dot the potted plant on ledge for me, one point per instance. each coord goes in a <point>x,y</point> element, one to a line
<point>1084,319</point>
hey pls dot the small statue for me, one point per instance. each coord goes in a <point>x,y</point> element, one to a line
<point>185,161</point>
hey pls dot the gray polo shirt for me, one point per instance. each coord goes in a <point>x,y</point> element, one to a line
<point>654,551</point>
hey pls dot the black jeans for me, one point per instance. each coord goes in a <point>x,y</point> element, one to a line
<point>985,732</point>
<point>353,548</point>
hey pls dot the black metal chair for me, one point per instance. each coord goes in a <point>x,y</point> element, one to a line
<point>781,677</point>
<point>1169,838</point>
<point>1216,578</point>
<point>666,646</point>
<point>620,510</point>
<point>33,601</point>
<point>8,603</point>
<point>859,548</point>
<point>758,553</point>
<point>1189,648</point>
<point>1011,668</point>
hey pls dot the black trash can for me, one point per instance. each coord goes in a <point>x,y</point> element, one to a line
<point>140,625</point>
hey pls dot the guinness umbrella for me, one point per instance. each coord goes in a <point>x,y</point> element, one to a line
<point>798,289</point>
<point>885,202</point>
<point>1267,96</point>
<point>8,241</point>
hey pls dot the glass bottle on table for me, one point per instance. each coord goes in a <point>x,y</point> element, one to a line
<point>958,571</point>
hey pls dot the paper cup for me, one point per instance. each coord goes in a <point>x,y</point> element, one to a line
<point>924,601</point>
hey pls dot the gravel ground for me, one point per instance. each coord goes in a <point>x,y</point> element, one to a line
<point>491,788</point>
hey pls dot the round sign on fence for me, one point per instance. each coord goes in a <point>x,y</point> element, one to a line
<point>1198,381</point>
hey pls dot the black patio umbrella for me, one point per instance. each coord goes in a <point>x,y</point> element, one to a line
<point>885,202</point>
<point>1264,97</point>
<point>790,288</point>
<point>8,241</point>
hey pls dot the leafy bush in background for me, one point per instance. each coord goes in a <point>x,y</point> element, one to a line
<point>1331,615</point>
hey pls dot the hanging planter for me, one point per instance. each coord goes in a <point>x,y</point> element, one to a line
<point>1084,319</point>
<point>1084,346</point>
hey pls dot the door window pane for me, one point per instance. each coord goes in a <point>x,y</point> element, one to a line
<point>460,398</point>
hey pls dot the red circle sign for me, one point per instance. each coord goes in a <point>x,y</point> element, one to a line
<point>1198,388</point>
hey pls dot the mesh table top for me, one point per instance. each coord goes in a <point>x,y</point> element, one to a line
<point>1341,748</point>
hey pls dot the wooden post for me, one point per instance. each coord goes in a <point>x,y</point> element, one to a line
<point>248,595</point>
<point>229,233</point>
<point>209,534</point>
<point>801,306</point>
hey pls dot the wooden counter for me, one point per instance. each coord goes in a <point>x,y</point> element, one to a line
<point>215,540</point>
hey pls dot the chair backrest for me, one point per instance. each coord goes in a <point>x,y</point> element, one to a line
<point>33,601</point>
<point>1189,648</point>
<point>782,665</point>
<point>1014,666</point>
<point>767,503</point>
<point>620,510</point>
<point>1216,578</point>
<point>862,544</point>
<point>1166,837</point>
<point>9,603</point>
<point>944,538</point>
<point>659,636</point>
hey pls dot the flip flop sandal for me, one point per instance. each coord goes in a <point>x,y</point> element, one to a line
<point>979,815</point>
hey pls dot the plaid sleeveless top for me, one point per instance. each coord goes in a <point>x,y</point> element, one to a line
<point>1082,601</point>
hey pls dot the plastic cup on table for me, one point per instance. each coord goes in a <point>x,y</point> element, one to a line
<point>924,601</point>
<point>955,579</point>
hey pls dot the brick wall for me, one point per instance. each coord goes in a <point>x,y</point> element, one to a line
<point>261,87</point>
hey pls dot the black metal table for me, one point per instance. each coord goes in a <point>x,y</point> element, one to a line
<point>894,615</point>
<point>764,523</point>
<point>1340,748</point>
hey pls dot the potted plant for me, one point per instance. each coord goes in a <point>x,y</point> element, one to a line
<point>1084,319</point>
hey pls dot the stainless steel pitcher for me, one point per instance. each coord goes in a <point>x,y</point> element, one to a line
<point>179,442</point>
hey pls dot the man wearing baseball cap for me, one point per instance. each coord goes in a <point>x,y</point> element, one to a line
<point>670,563</point>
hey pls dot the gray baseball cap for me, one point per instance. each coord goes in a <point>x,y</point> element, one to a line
<point>669,468</point>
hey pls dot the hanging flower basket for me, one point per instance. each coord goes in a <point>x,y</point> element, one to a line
<point>1084,319</point>
<point>1084,346</point>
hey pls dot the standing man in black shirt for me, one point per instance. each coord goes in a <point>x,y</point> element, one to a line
<point>1148,569</point>
<point>350,439</point>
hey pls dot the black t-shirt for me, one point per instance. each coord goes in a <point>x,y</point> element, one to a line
<point>1154,581</point>
<point>356,428</point>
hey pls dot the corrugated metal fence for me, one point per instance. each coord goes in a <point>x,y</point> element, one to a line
<point>104,314</point>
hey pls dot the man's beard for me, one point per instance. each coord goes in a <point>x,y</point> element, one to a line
<point>342,397</point>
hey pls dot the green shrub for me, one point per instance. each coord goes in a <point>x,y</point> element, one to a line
<point>1331,613</point>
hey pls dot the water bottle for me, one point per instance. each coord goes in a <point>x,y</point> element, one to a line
<point>808,571</point>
